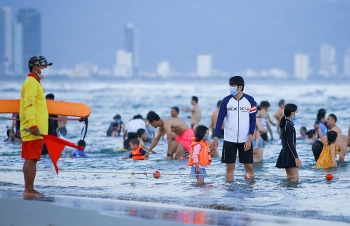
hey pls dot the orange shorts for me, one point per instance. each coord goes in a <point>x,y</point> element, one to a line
<point>32,149</point>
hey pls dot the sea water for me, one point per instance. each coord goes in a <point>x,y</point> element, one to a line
<point>105,175</point>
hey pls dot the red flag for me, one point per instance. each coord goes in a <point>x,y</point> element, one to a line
<point>55,146</point>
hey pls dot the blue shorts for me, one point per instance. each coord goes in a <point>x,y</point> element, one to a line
<point>203,173</point>
<point>260,144</point>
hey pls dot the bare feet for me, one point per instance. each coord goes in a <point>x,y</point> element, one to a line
<point>32,193</point>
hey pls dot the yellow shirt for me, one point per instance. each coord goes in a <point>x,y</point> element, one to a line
<point>33,109</point>
<point>325,160</point>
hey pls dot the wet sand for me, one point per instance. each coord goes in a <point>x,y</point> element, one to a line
<point>66,210</point>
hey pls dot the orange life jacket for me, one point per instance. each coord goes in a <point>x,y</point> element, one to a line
<point>136,154</point>
<point>204,157</point>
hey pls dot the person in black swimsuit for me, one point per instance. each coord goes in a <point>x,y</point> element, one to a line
<point>288,157</point>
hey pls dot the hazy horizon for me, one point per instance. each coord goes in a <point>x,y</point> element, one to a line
<point>240,35</point>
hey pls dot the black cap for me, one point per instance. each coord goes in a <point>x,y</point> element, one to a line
<point>38,60</point>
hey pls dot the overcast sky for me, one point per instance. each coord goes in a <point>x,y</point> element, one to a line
<point>257,34</point>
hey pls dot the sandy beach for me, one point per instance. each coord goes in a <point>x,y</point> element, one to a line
<point>16,212</point>
<point>66,210</point>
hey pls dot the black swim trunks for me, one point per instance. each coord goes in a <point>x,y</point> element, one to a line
<point>229,153</point>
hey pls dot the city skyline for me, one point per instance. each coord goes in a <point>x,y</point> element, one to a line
<point>226,57</point>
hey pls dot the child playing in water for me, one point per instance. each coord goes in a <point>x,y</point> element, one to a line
<point>137,152</point>
<point>264,117</point>
<point>141,136</point>
<point>79,153</point>
<point>200,155</point>
<point>329,151</point>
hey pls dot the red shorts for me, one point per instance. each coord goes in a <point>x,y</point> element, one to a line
<point>32,149</point>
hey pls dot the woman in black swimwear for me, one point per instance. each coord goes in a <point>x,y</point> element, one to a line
<point>288,157</point>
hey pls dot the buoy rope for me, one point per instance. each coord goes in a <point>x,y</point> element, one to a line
<point>162,174</point>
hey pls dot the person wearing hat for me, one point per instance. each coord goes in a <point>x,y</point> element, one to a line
<point>33,116</point>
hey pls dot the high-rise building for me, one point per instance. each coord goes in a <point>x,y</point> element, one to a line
<point>18,60</point>
<point>347,62</point>
<point>204,65</point>
<point>163,69</point>
<point>123,67</point>
<point>328,65</point>
<point>5,40</point>
<point>30,21</point>
<point>132,45</point>
<point>301,66</point>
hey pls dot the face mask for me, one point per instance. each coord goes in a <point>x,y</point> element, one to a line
<point>295,117</point>
<point>206,137</point>
<point>233,90</point>
<point>44,73</point>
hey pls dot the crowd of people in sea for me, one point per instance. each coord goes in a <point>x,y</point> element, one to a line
<point>190,142</point>
<point>241,124</point>
<point>238,113</point>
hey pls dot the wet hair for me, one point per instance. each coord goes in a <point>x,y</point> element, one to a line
<point>219,103</point>
<point>281,102</point>
<point>321,114</point>
<point>140,132</point>
<point>134,141</point>
<point>82,143</point>
<point>333,116</point>
<point>288,109</point>
<point>137,117</point>
<point>195,99</point>
<point>117,116</point>
<point>176,109</point>
<point>265,104</point>
<point>50,96</point>
<point>311,133</point>
<point>331,136</point>
<point>152,116</point>
<point>303,129</point>
<point>200,132</point>
<point>237,80</point>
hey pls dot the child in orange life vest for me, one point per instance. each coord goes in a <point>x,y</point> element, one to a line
<point>329,151</point>
<point>141,135</point>
<point>137,152</point>
<point>200,155</point>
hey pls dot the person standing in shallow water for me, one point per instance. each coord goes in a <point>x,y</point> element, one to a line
<point>239,112</point>
<point>33,116</point>
<point>195,110</point>
<point>288,157</point>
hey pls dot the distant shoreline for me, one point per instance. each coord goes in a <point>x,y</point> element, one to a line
<point>248,80</point>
